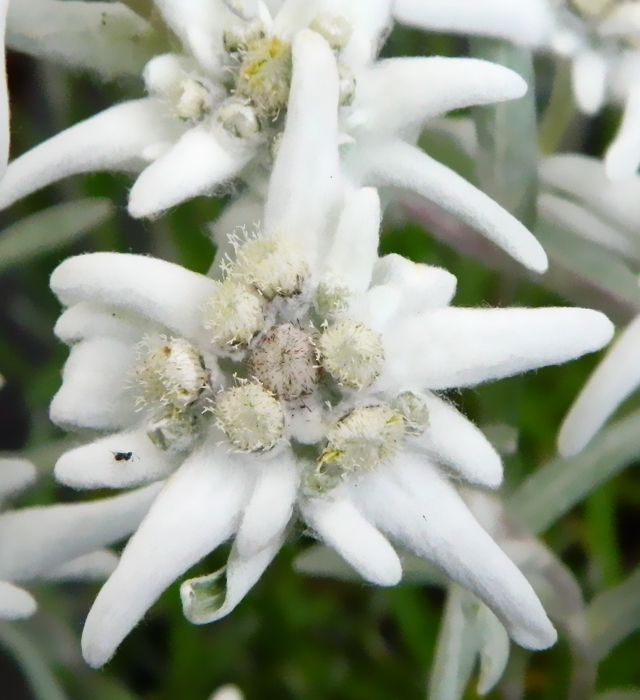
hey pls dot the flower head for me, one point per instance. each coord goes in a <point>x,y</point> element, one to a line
<point>217,111</point>
<point>330,415</point>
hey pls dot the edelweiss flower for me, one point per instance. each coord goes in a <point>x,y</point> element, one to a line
<point>217,112</point>
<point>599,37</point>
<point>301,381</point>
<point>57,542</point>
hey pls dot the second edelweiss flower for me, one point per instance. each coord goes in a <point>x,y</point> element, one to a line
<point>300,381</point>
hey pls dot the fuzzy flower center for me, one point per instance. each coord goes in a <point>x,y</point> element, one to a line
<point>284,362</point>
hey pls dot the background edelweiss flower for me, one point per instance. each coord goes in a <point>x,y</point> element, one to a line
<point>580,199</point>
<point>57,543</point>
<point>374,461</point>
<point>599,37</point>
<point>192,153</point>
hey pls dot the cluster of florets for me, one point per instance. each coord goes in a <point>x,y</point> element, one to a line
<point>258,68</point>
<point>273,371</point>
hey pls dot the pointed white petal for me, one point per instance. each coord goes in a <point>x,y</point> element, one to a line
<point>208,598</point>
<point>4,97</point>
<point>405,92</point>
<point>615,378</point>
<point>339,524</point>
<point>305,188</point>
<point>36,540</point>
<point>379,306</point>
<point>161,291</point>
<point>199,23</point>
<point>95,386</point>
<point>199,162</point>
<point>112,140</point>
<point>623,155</point>
<point>575,218</point>
<point>95,566</point>
<point>424,286</point>
<point>524,22</point>
<point>270,507</point>
<point>455,441</point>
<point>415,504</point>
<point>16,475</point>
<point>355,246</point>
<point>15,603</point>
<point>199,508</point>
<point>589,76</point>
<point>88,320</point>
<point>398,164</point>
<point>584,178</point>
<point>456,347</point>
<point>95,465</point>
<point>103,36</point>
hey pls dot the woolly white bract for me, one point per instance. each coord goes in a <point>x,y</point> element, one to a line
<point>215,113</point>
<point>300,381</point>
<point>57,543</point>
<point>599,37</point>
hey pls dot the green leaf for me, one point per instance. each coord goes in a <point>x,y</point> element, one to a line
<point>613,615</point>
<point>588,263</point>
<point>37,673</point>
<point>629,694</point>
<point>51,229</point>
<point>560,484</point>
<point>456,648</point>
<point>507,137</point>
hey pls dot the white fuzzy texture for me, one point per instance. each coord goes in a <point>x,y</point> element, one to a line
<point>340,525</point>
<point>429,350</point>
<point>35,540</point>
<point>615,379</point>
<point>205,160</point>
<point>95,465</point>
<point>453,440</point>
<point>94,386</point>
<point>417,506</point>
<point>197,510</point>
<point>112,140</point>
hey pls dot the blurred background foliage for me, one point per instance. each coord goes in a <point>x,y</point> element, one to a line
<point>293,636</point>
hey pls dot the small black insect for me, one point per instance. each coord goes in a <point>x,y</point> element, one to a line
<point>123,456</point>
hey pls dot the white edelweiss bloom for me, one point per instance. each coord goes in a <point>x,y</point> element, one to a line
<point>59,542</point>
<point>601,38</point>
<point>579,197</point>
<point>323,405</point>
<point>217,112</point>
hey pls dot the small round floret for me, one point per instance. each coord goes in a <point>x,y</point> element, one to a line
<point>250,417</point>
<point>274,266</point>
<point>352,353</point>
<point>284,361</point>
<point>413,408</point>
<point>234,314</point>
